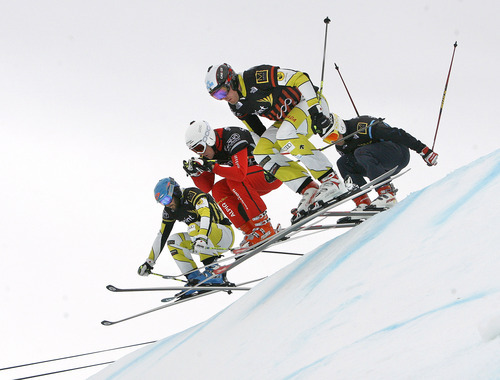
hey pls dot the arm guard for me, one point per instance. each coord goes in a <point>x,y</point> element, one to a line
<point>160,241</point>
<point>203,209</point>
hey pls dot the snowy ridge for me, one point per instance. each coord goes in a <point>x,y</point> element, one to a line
<point>412,293</point>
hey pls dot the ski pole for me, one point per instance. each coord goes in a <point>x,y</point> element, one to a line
<point>284,253</point>
<point>444,94</point>
<point>342,79</point>
<point>169,277</point>
<point>326,21</point>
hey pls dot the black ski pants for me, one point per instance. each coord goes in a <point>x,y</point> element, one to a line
<point>373,160</point>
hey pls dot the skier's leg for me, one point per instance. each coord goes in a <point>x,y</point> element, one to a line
<point>262,182</point>
<point>180,246</point>
<point>220,240</point>
<point>248,197</point>
<point>228,201</point>
<point>379,158</point>
<point>350,168</point>
<point>267,154</point>
<point>249,192</point>
<point>293,136</point>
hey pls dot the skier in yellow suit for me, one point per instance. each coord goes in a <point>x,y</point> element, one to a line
<point>209,232</point>
<point>288,98</point>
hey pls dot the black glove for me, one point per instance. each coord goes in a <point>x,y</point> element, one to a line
<point>145,269</point>
<point>319,121</point>
<point>430,157</point>
<point>195,166</point>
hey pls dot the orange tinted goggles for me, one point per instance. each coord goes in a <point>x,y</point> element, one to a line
<point>331,138</point>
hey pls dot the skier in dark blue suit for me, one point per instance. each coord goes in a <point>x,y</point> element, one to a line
<point>374,148</point>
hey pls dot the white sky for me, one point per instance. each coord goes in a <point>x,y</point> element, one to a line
<point>95,96</point>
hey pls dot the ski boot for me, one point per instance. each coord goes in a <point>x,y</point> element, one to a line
<point>361,202</point>
<point>331,188</point>
<point>247,229</point>
<point>261,231</point>
<point>217,280</point>
<point>385,200</point>
<point>193,279</point>
<point>308,195</point>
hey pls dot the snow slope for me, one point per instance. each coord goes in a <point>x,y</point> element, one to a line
<point>413,293</point>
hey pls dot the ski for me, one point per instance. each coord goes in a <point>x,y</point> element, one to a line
<point>350,217</point>
<point>350,213</point>
<point>294,228</point>
<point>243,254</point>
<point>314,229</point>
<point>167,288</point>
<point>174,302</point>
<point>329,226</point>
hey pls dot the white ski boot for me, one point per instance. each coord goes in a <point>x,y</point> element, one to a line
<point>386,198</point>
<point>331,187</point>
<point>308,195</point>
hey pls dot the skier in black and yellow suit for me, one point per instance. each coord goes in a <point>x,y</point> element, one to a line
<point>209,232</point>
<point>288,98</point>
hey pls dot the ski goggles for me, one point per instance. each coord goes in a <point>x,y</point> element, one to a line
<point>199,148</point>
<point>166,198</point>
<point>332,137</point>
<point>220,92</point>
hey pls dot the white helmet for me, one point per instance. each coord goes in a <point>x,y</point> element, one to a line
<point>199,135</point>
<point>336,128</point>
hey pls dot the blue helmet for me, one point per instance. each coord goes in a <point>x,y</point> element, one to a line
<point>165,190</point>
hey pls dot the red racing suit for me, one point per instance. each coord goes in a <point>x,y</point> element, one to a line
<point>239,193</point>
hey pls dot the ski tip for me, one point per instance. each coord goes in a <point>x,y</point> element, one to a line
<point>111,288</point>
<point>106,323</point>
<point>240,250</point>
<point>221,269</point>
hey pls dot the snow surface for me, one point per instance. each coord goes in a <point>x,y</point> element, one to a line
<point>413,293</point>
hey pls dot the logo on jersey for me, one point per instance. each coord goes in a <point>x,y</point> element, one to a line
<point>262,76</point>
<point>232,140</point>
<point>288,147</point>
<point>362,125</point>
<point>260,111</point>
<point>267,99</point>
<point>285,108</point>
<point>227,209</point>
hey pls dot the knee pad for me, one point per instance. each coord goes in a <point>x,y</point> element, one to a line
<point>269,165</point>
<point>179,242</point>
<point>194,229</point>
